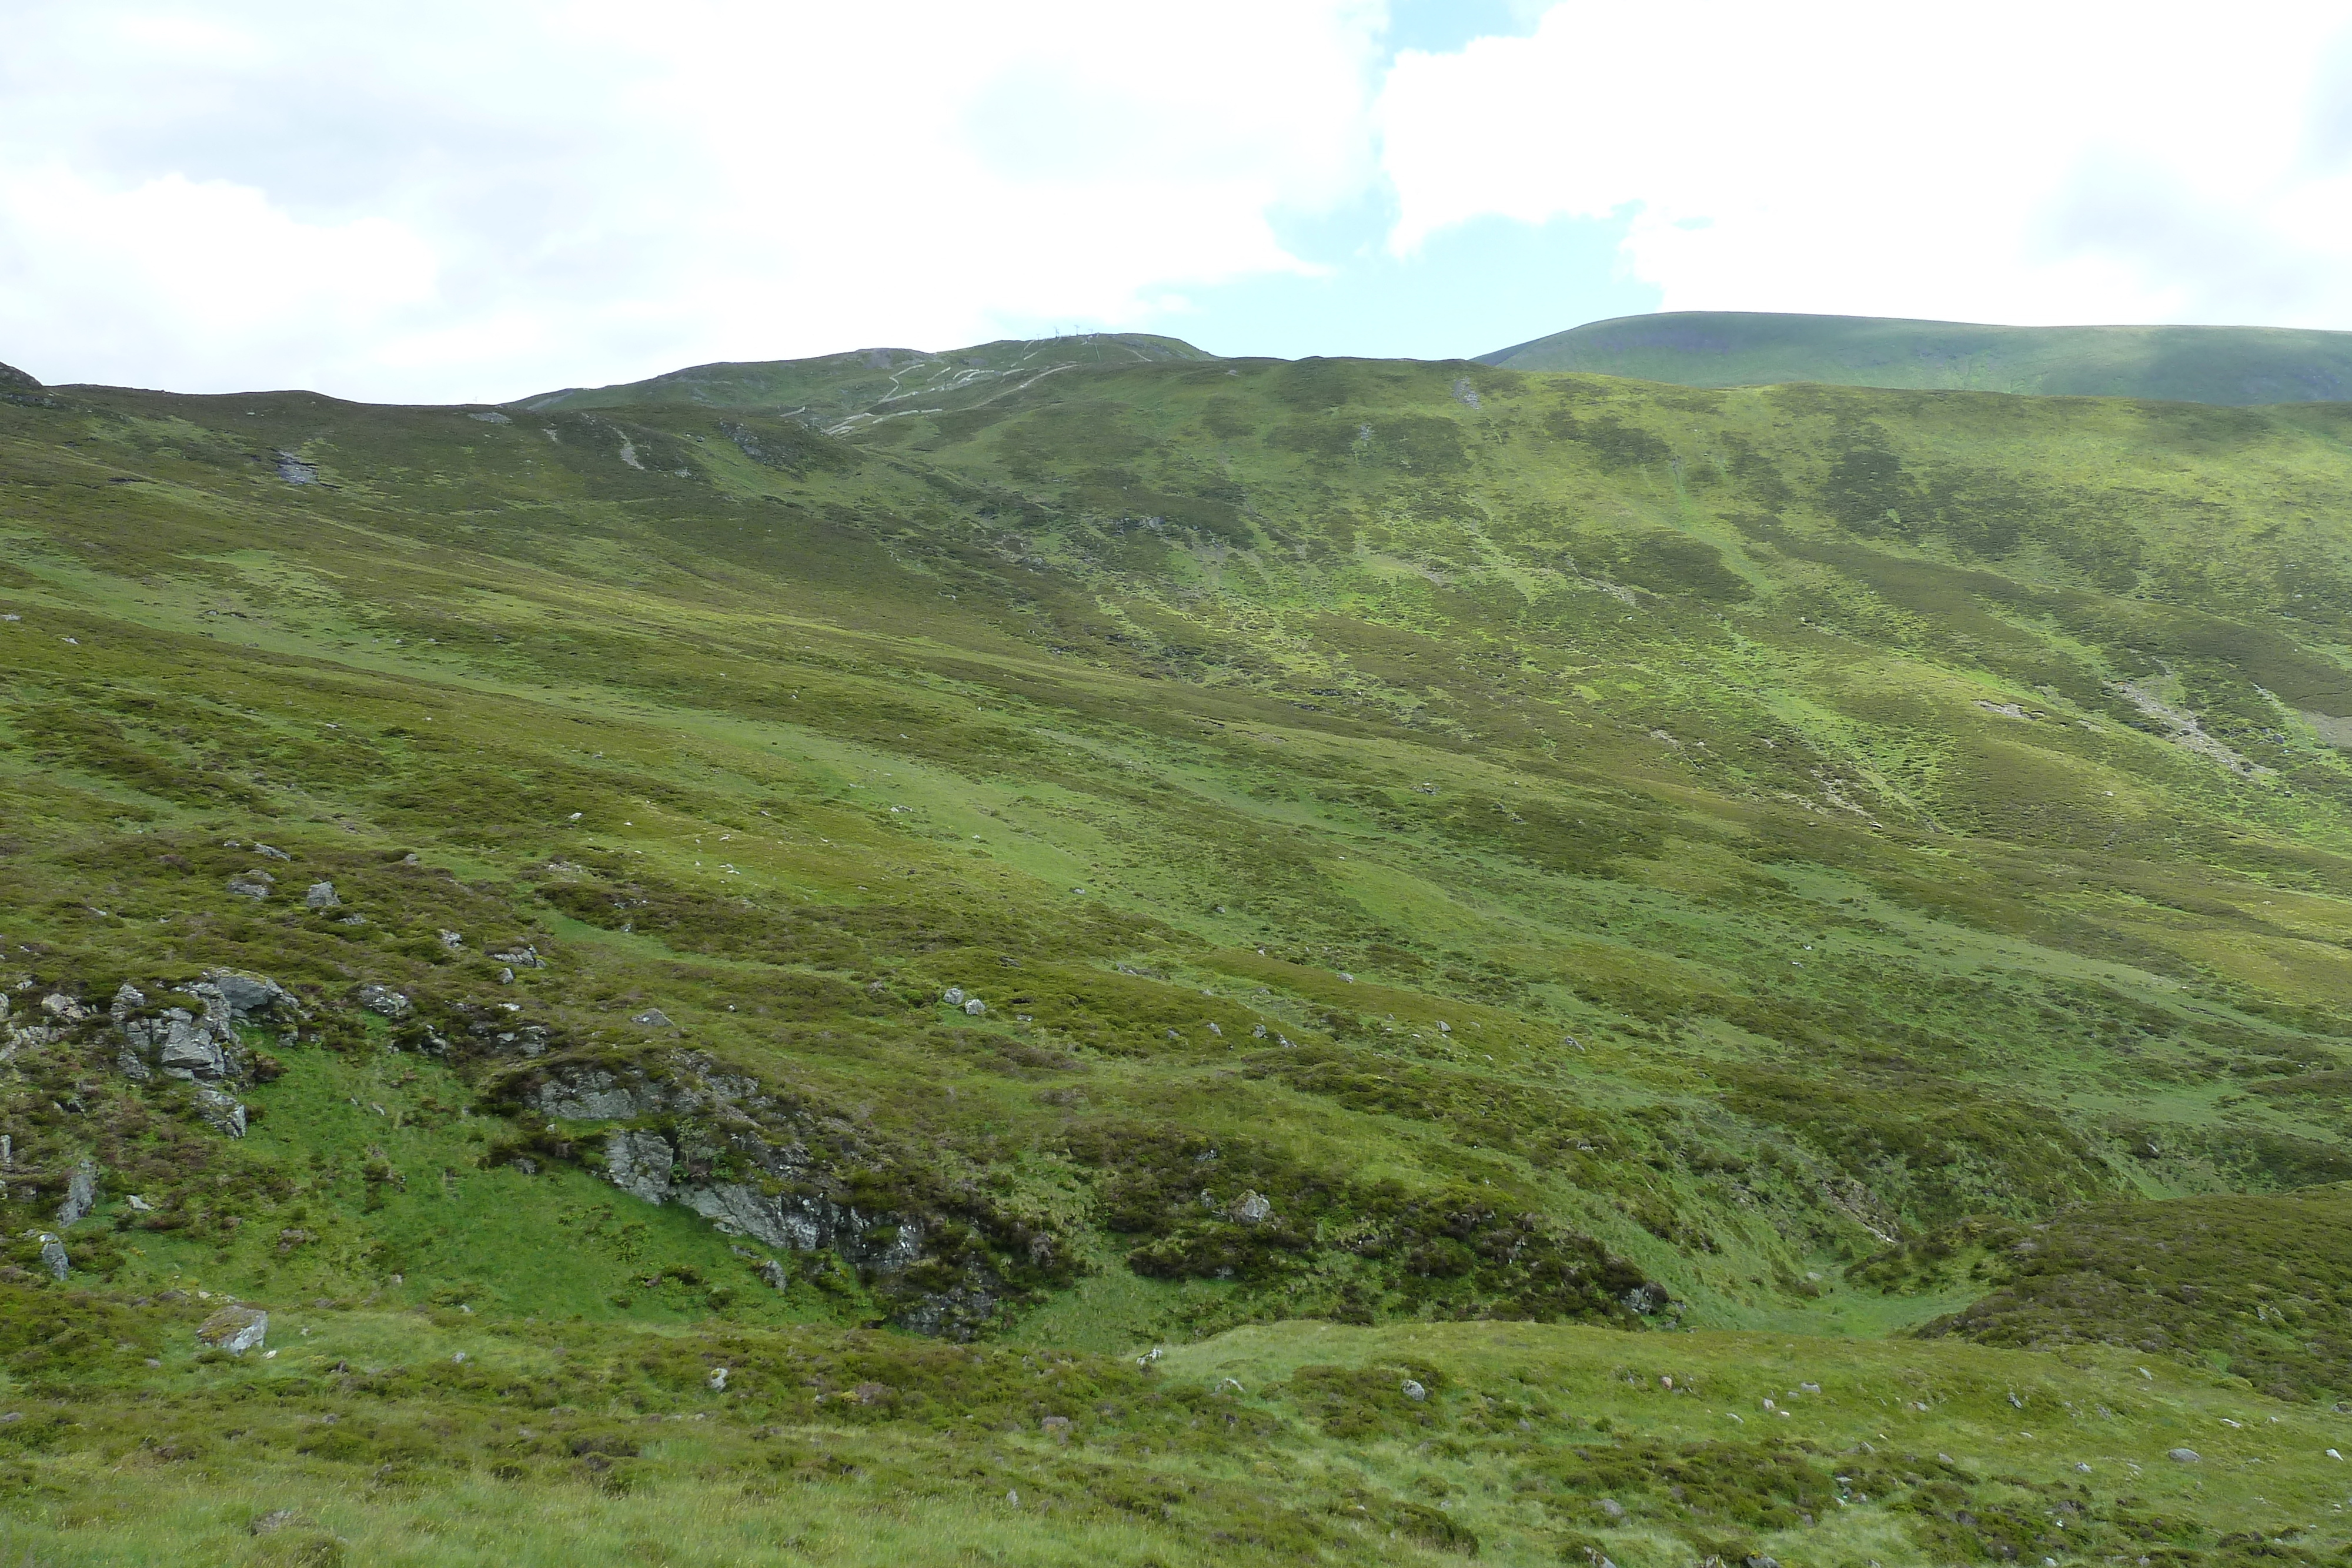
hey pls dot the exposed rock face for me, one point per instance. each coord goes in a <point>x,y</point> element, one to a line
<point>639,1164</point>
<point>774,1172</point>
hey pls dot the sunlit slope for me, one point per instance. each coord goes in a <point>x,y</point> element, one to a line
<point>1665,836</point>
<point>2230,365</point>
<point>866,384</point>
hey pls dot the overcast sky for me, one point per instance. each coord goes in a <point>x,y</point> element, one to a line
<point>431,201</point>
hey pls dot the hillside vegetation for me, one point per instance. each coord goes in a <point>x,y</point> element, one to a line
<point>1365,876</point>
<point>2230,365</point>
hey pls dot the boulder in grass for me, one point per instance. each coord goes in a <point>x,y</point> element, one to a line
<point>252,883</point>
<point>53,1259</point>
<point>321,895</point>
<point>234,1329</point>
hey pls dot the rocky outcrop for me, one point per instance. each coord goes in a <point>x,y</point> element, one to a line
<point>772,1169</point>
<point>202,1050</point>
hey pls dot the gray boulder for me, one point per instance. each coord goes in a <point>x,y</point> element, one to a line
<point>189,1047</point>
<point>653,1017</point>
<point>53,1259</point>
<point>234,1329</point>
<point>321,895</point>
<point>249,995</point>
<point>81,1194</point>
<point>1251,1208</point>
<point>523,957</point>
<point>267,854</point>
<point>252,883</point>
<point>2184,1455</point>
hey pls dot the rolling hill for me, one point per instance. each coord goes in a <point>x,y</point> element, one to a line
<point>2227,365</point>
<point>1178,960</point>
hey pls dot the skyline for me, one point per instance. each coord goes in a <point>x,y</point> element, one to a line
<point>227,196</point>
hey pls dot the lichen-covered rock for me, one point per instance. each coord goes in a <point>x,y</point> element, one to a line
<point>234,1329</point>
<point>321,895</point>
<point>384,1000</point>
<point>639,1164</point>
<point>53,1259</point>
<point>224,1111</point>
<point>254,883</point>
<point>653,1017</point>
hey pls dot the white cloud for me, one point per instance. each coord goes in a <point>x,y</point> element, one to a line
<point>2017,162</point>
<point>435,200</point>
<point>441,201</point>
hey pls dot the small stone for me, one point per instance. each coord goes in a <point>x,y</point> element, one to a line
<point>1251,1208</point>
<point>451,940</point>
<point>1612,1510</point>
<point>772,1272</point>
<point>506,977</point>
<point>2080,1468</point>
<point>234,1329</point>
<point>716,1381</point>
<point>266,852</point>
<point>975,1007</point>
<point>953,995</point>
<point>383,1000</point>
<point>53,1259</point>
<point>321,895</point>
<point>653,1017</point>
<point>2184,1455</point>
<point>1413,1390</point>
<point>252,884</point>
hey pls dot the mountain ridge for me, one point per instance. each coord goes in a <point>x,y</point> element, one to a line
<point>2221,365</point>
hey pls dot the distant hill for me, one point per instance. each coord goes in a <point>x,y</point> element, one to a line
<point>2237,365</point>
<point>842,392</point>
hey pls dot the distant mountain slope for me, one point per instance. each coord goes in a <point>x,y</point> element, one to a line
<point>842,392</point>
<point>2234,365</point>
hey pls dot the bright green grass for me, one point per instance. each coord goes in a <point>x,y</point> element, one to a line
<point>1652,742</point>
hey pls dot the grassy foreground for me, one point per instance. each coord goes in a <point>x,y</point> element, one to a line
<point>1348,874</point>
<point>437,1438</point>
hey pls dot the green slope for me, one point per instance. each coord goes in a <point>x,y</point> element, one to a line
<point>1528,883</point>
<point>843,391</point>
<point>2230,365</point>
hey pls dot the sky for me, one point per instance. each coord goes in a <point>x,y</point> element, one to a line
<point>429,201</point>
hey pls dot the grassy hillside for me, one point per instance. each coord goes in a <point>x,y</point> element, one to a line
<point>2230,365</point>
<point>842,392</point>
<point>1527,884</point>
